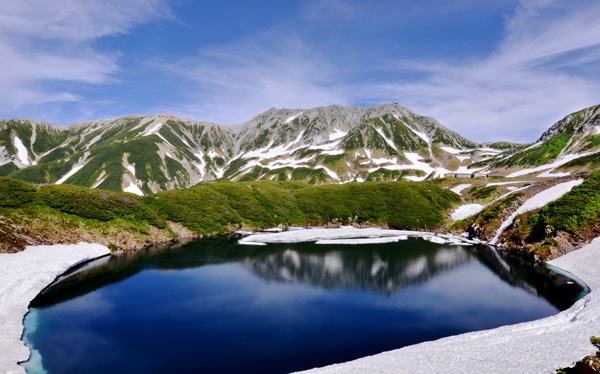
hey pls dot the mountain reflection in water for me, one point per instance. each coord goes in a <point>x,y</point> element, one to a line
<point>381,268</point>
<point>381,271</point>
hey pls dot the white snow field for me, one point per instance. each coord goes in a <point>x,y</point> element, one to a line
<point>23,275</point>
<point>21,152</point>
<point>458,189</point>
<point>133,188</point>
<point>466,210</point>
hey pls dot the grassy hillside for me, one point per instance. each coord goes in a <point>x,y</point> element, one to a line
<point>217,207</point>
<point>57,213</point>
<point>559,227</point>
<point>574,217</point>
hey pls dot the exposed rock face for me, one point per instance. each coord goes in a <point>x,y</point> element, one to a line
<point>579,122</point>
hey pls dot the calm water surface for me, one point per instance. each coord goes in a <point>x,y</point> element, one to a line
<point>214,306</point>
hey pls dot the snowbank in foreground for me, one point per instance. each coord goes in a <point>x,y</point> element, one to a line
<point>539,346</point>
<point>22,276</point>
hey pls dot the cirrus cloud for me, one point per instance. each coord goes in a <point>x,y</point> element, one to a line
<point>47,48</point>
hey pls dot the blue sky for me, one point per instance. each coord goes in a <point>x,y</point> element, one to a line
<point>501,70</point>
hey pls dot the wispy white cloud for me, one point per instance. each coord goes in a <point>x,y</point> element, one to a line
<point>76,20</point>
<point>231,84</point>
<point>530,81</point>
<point>47,46</point>
<point>538,72</point>
<point>335,10</point>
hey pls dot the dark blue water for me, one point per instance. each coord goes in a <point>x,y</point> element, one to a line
<point>213,306</point>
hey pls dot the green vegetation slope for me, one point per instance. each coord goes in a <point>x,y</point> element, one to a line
<point>63,213</point>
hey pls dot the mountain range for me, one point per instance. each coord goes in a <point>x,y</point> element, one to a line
<point>335,144</point>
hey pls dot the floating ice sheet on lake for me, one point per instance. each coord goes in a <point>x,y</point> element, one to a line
<point>346,235</point>
<point>388,239</point>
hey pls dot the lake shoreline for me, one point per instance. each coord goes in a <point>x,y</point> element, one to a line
<point>24,275</point>
<point>442,355</point>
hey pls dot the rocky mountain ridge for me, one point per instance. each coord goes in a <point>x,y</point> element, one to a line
<point>334,144</point>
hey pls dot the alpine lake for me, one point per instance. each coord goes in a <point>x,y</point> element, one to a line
<point>214,306</point>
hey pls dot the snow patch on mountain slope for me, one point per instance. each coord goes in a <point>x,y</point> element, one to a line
<point>290,162</point>
<point>383,160</point>
<point>269,152</point>
<point>132,188</point>
<point>550,174</point>
<point>326,146</point>
<point>185,142</point>
<point>219,172</point>
<point>94,140</point>
<point>277,164</point>
<point>337,134</point>
<point>417,164</point>
<point>550,166</point>
<point>458,189</point>
<point>387,140</point>
<point>536,202</point>
<point>71,172</point>
<point>21,151</point>
<point>534,145</point>
<point>451,150</point>
<point>333,152</point>
<point>504,183</point>
<point>129,167</point>
<point>101,178</point>
<point>421,135</point>
<point>465,211</point>
<point>202,165</point>
<point>329,172</point>
<point>153,130</point>
<point>290,119</point>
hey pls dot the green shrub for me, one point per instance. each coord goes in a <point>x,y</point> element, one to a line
<point>95,204</point>
<point>578,209</point>
<point>483,192</point>
<point>14,193</point>
<point>542,154</point>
